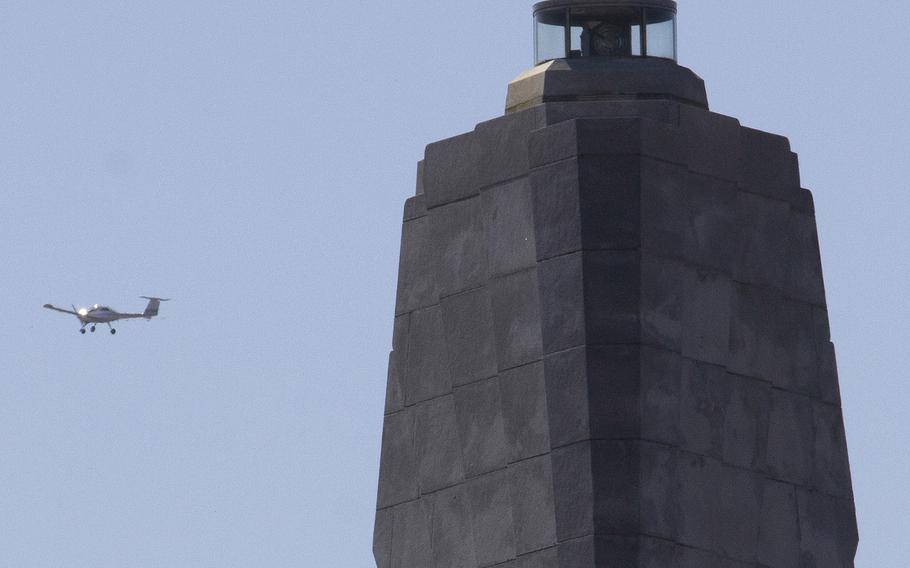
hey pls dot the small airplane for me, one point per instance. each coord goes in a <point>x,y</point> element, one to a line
<point>103,314</point>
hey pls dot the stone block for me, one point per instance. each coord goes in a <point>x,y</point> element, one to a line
<point>711,139</point>
<point>805,271</point>
<point>459,246</point>
<point>382,539</point>
<point>562,306</point>
<point>416,275</point>
<point>763,257</point>
<point>659,491</point>
<point>611,202</point>
<point>660,383</point>
<point>418,190</point>
<point>523,393</point>
<point>612,296</point>
<point>516,319</point>
<point>504,145</point>
<point>614,391</point>
<point>791,444</point>
<point>828,382</point>
<point>566,375</point>
<point>532,504</point>
<point>665,206</point>
<point>797,331</point>
<point>546,558</point>
<point>438,444</point>
<point>699,500</point>
<point>480,427</point>
<point>705,392</point>
<point>573,492</point>
<point>616,471</point>
<point>767,166</point>
<point>553,143</point>
<point>707,305</point>
<point>805,202</point>
<point>453,539</point>
<point>398,479</point>
<point>832,466</point>
<point>398,359</point>
<point>778,539</point>
<point>662,296</point>
<point>746,418</point>
<point>428,374</point>
<point>557,208</point>
<point>415,207</point>
<point>665,112</point>
<point>758,342</point>
<point>827,529</point>
<point>579,553</point>
<point>494,531</point>
<point>714,236</point>
<point>412,543</point>
<point>451,169</point>
<point>468,322</point>
<point>620,136</point>
<point>614,550</point>
<point>508,220</point>
<point>739,514</point>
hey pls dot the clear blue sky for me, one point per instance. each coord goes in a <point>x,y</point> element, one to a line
<point>251,160</point>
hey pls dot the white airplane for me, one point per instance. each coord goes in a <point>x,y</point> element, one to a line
<point>103,314</point>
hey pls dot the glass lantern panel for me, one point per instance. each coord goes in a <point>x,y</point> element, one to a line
<point>605,31</point>
<point>550,36</point>
<point>661,33</point>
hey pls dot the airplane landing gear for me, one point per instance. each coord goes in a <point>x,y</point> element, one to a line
<point>113,331</point>
<point>82,331</point>
<point>92,329</point>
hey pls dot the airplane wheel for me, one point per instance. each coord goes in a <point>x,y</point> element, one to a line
<point>93,329</point>
<point>113,331</point>
<point>82,331</point>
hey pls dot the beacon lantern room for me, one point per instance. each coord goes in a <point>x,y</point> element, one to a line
<point>610,28</point>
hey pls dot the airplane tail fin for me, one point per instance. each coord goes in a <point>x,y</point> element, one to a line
<point>152,309</point>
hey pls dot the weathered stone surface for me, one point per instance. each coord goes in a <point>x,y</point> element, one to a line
<point>500,158</point>
<point>612,297</point>
<point>764,253</point>
<point>412,543</point>
<point>767,166</point>
<point>453,539</point>
<point>468,322</point>
<point>508,220</point>
<point>416,284</point>
<point>746,416</point>
<point>791,444</point>
<point>532,504</point>
<point>428,374</point>
<point>398,359</point>
<point>459,246</point>
<point>566,375</point>
<point>450,170</point>
<point>524,410</point>
<point>480,425</point>
<point>398,469</point>
<point>516,319</point>
<point>827,529</point>
<point>557,208</point>
<point>382,539</point>
<point>438,447</point>
<point>779,536</point>
<point>562,303</point>
<point>573,492</point>
<point>612,349</point>
<point>491,507</point>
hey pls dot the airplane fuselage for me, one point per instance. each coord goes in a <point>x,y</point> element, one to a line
<point>99,315</point>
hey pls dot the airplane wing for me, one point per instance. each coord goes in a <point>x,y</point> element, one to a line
<point>56,309</point>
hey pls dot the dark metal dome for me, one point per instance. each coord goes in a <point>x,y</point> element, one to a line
<point>549,4</point>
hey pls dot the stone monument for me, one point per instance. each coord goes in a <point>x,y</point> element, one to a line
<point>611,343</point>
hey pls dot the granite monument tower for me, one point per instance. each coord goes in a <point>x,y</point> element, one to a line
<point>611,343</point>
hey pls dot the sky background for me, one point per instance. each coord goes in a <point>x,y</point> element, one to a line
<point>251,159</point>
